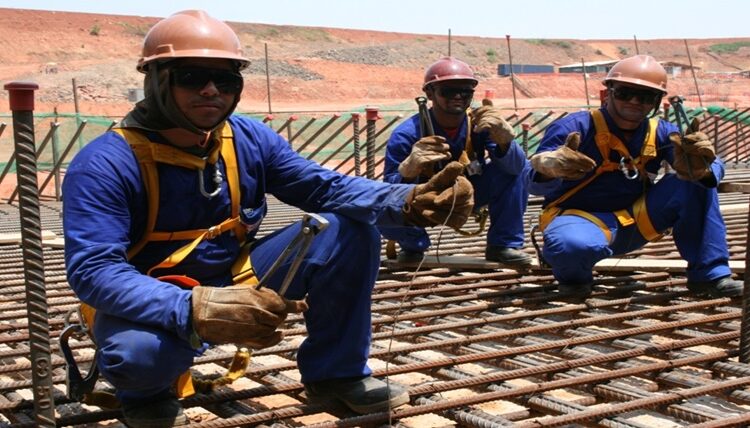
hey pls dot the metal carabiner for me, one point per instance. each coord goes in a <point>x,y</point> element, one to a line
<point>630,174</point>
<point>217,182</point>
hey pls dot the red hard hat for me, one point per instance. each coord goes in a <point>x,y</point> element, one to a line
<point>191,34</point>
<point>641,70</point>
<point>448,68</point>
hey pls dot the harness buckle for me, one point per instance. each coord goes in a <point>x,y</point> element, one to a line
<point>630,174</point>
<point>213,232</point>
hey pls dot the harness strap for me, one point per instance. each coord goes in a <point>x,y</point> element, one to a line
<point>605,142</point>
<point>592,218</point>
<point>149,154</point>
<point>467,155</point>
<point>178,256</point>
<point>643,221</point>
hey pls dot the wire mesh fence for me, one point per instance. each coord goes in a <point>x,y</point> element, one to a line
<point>352,143</point>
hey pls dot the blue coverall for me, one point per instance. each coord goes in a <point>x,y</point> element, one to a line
<point>143,325</point>
<point>501,184</point>
<point>573,244</point>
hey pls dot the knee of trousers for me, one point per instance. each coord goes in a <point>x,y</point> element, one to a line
<point>347,239</point>
<point>138,360</point>
<point>574,246</point>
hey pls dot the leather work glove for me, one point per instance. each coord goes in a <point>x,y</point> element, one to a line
<point>424,154</point>
<point>448,195</point>
<point>489,118</point>
<point>565,162</point>
<point>241,314</point>
<point>693,153</point>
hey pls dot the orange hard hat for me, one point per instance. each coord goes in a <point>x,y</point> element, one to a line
<point>641,70</point>
<point>448,68</point>
<point>191,34</point>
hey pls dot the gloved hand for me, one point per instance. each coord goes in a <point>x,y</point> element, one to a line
<point>424,154</point>
<point>448,195</point>
<point>693,153</point>
<point>564,162</point>
<point>241,314</point>
<point>489,118</point>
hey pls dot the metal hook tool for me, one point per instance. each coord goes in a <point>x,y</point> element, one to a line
<point>682,117</point>
<point>679,113</point>
<point>302,241</point>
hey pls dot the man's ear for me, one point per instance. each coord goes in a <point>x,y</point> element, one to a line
<point>429,92</point>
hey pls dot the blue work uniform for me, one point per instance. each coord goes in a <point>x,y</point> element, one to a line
<point>574,244</point>
<point>143,325</point>
<point>501,182</point>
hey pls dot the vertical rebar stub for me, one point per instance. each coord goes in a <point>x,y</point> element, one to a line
<point>21,95</point>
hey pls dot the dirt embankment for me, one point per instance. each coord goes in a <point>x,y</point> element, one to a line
<point>321,69</point>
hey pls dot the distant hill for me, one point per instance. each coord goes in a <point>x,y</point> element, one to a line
<point>323,68</point>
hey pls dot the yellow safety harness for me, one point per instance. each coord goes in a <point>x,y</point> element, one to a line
<point>149,154</point>
<point>632,168</point>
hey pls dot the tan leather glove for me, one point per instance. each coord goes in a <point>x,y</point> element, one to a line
<point>565,162</point>
<point>424,154</point>
<point>241,314</point>
<point>447,196</point>
<point>693,153</point>
<point>489,118</point>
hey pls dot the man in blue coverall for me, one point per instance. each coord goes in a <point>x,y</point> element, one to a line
<point>496,166</point>
<point>596,171</point>
<point>179,190</point>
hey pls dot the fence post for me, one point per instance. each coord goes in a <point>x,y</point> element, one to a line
<point>21,97</point>
<point>54,126</point>
<point>372,117</point>
<point>716,133</point>
<point>355,139</point>
<point>525,138</point>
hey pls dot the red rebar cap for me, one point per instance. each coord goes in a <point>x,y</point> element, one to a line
<point>371,113</point>
<point>21,95</point>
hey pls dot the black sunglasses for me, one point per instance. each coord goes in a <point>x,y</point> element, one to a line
<point>450,92</point>
<point>226,81</point>
<point>643,96</point>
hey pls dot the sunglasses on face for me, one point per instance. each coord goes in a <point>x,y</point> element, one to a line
<point>643,96</point>
<point>195,78</point>
<point>451,92</point>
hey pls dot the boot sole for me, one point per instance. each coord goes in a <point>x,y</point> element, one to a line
<point>362,409</point>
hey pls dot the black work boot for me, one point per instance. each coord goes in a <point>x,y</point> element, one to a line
<point>406,256</point>
<point>160,414</point>
<point>507,256</point>
<point>361,394</point>
<point>577,292</point>
<point>720,287</point>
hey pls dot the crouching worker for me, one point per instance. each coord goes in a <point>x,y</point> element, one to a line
<point>179,190</point>
<point>480,138</point>
<point>596,170</point>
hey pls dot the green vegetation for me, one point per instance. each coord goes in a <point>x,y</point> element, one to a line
<point>623,50</point>
<point>599,52</point>
<point>269,33</point>
<point>721,48</point>
<point>551,43</point>
<point>95,30</point>
<point>136,30</point>
<point>491,55</point>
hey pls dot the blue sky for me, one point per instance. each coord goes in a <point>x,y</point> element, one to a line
<point>575,19</point>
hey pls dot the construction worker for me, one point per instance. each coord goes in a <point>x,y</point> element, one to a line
<point>597,173</point>
<point>482,140</point>
<point>178,191</point>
